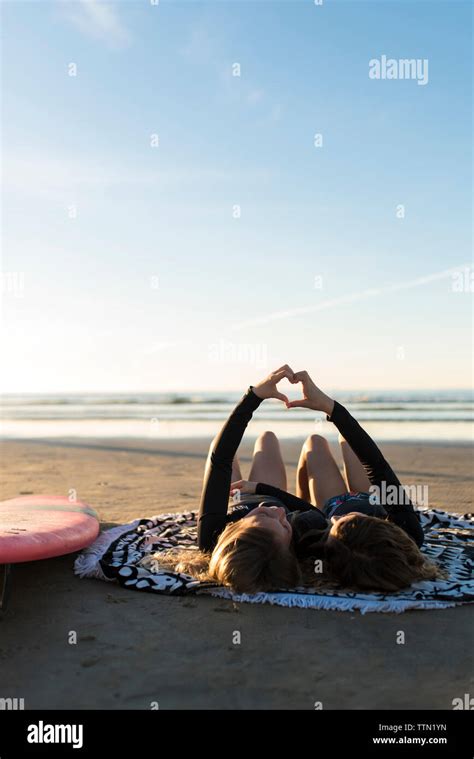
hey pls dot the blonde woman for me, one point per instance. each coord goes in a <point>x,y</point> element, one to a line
<point>251,547</point>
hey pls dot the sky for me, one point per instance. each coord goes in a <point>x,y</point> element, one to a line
<point>170,221</point>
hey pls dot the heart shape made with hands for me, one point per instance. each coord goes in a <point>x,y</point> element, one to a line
<point>313,397</point>
<point>270,387</point>
<point>311,394</point>
<point>300,378</point>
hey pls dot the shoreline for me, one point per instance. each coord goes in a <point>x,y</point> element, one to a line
<point>205,439</point>
<point>161,423</point>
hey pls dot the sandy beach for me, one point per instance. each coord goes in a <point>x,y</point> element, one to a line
<point>134,649</point>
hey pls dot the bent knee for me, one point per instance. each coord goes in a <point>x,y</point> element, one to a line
<point>267,438</point>
<point>316,442</point>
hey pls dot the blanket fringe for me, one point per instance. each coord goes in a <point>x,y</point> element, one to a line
<point>87,564</point>
<point>326,602</point>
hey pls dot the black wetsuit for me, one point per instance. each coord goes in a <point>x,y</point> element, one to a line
<point>303,516</point>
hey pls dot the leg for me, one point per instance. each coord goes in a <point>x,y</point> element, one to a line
<point>236,473</point>
<point>267,465</point>
<point>318,474</point>
<point>302,484</point>
<point>354,472</point>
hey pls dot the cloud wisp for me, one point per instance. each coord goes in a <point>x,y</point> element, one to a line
<point>332,302</point>
<point>96,20</point>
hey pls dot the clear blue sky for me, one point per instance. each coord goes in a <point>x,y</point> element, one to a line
<point>154,285</point>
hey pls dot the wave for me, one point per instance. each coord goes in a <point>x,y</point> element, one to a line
<point>390,407</point>
<point>377,400</point>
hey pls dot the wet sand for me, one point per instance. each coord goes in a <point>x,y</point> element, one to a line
<point>134,649</point>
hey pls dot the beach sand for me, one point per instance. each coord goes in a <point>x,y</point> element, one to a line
<point>134,649</point>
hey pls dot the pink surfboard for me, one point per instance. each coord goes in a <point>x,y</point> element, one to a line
<point>42,526</point>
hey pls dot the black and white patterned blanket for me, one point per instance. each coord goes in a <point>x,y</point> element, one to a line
<point>129,555</point>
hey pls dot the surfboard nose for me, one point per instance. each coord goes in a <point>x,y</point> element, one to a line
<point>44,526</point>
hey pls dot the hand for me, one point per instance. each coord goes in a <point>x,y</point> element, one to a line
<point>243,487</point>
<point>267,387</point>
<point>313,397</point>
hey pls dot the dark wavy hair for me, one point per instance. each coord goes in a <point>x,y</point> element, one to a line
<point>368,553</point>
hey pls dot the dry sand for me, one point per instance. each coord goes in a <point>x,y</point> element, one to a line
<point>137,648</point>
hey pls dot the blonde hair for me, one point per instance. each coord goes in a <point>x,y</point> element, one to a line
<point>361,553</point>
<point>368,553</point>
<point>247,558</point>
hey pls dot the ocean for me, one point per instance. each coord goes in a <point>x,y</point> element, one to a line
<point>438,416</point>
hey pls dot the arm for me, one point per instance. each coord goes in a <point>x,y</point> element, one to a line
<point>216,488</point>
<point>377,468</point>
<point>370,456</point>
<point>291,501</point>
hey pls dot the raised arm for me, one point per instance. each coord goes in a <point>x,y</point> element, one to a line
<point>216,488</point>
<point>292,502</point>
<point>376,466</point>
